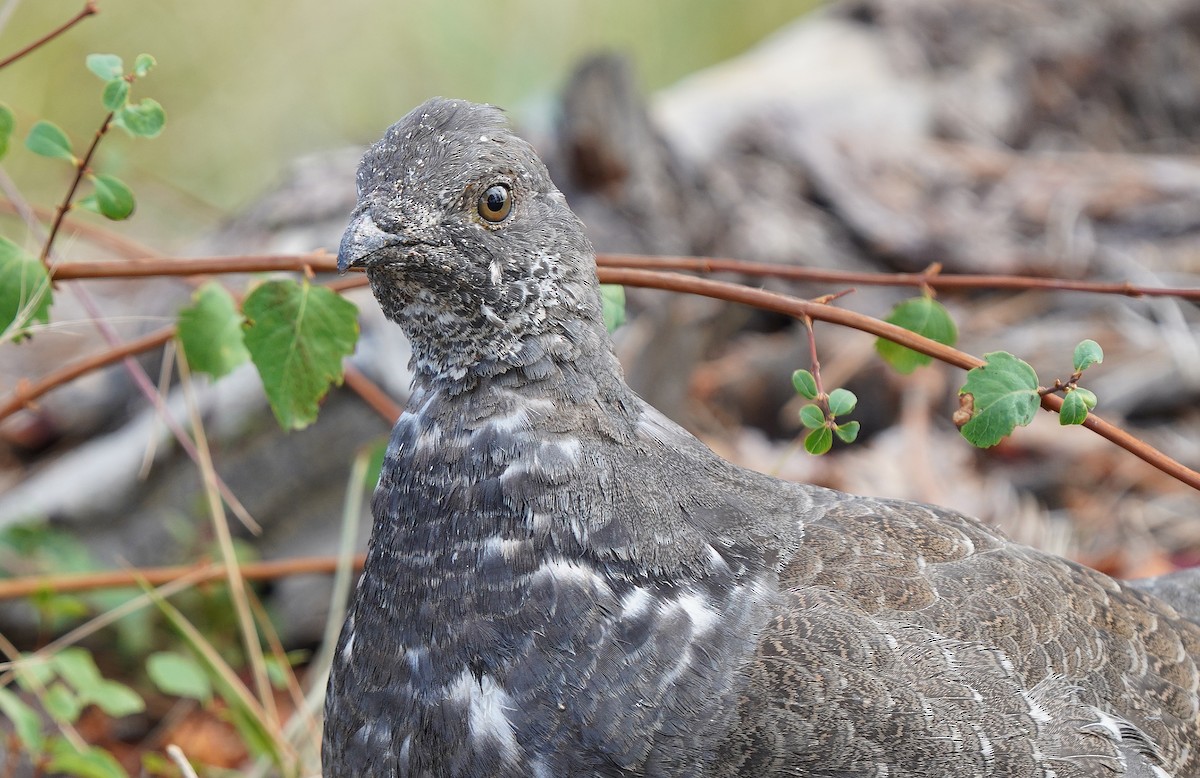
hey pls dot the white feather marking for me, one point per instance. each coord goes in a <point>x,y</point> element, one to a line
<point>698,610</point>
<point>348,649</point>
<point>497,272</point>
<point>1039,714</point>
<point>564,571</point>
<point>487,718</point>
<point>413,657</point>
<point>716,560</point>
<point>510,422</point>
<point>635,602</point>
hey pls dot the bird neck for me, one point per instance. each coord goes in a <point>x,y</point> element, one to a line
<point>569,360</point>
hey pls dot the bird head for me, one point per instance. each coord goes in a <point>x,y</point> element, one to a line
<point>466,241</point>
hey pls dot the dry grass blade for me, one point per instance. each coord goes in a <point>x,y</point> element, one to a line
<point>237,585</point>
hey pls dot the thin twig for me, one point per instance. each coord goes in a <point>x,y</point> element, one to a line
<point>81,168</point>
<point>323,262</point>
<point>379,400</point>
<point>89,8</point>
<point>794,307</point>
<point>931,278</point>
<point>16,588</point>
<point>27,392</point>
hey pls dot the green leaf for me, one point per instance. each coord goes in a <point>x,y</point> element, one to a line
<point>847,432</point>
<point>25,295</point>
<point>26,721</point>
<point>113,197</point>
<point>62,703</point>
<point>117,700</point>
<point>805,384</point>
<point>210,330</point>
<point>77,667</point>
<point>841,402</point>
<point>1004,396</point>
<point>1087,353</point>
<point>115,94</point>
<point>924,316</point>
<point>142,65</point>
<point>48,140</point>
<point>179,675</point>
<point>1088,397</point>
<point>7,124</point>
<point>297,335</point>
<point>1074,409</point>
<point>819,441</point>
<point>143,120</point>
<point>812,416</point>
<point>105,66</point>
<point>93,762</point>
<point>612,301</point>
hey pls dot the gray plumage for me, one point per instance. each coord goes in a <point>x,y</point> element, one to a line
<point>562,582</point>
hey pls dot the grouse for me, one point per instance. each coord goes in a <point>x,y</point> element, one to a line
<point>561,581</point>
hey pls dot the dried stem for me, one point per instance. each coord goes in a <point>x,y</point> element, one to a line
<point>89,9</point>
<point>792,306</point>
<point>81,168</point>
<point>15,588</point>
<point>323,262</point>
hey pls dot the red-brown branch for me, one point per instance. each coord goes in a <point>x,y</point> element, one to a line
<point>27,392</point>
<point>81,168</point>
<point>791,306</point>
<point>612,270</point>
<point>89,8</point>
<point>14,588</point>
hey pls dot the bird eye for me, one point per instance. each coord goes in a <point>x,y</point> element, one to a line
<point>495,203</point>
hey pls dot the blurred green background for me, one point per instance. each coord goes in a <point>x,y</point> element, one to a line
<point>249,85</point>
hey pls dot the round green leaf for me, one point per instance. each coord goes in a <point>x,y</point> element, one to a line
<point>805,384</point>
<point>612,301</point>
<point>144,120</point>
<point>142,65</point>
<point>77,667</point>
<point>105,66</point>
<point>841,402</point>
<point>116,92</point>
<point>819,441</point>
<point>847,432</point>
<point>925,316</point>
<point>113,197</point>
<point>1004,395</point>
<point>7,124</point>
<point>61,702</point>
<point>1087,353</point>
<point>48,140</point>
<point>812,417</point>
<point>297,335</point>
<point>1088,397</point>
<point>210,330</point>
<point>179,675</point>
<point>117,700</point>
<point>1074,409</point>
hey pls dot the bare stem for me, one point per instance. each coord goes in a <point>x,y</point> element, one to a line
<point>81,168</point>
<point>16,588</point>
<point>89,9</point>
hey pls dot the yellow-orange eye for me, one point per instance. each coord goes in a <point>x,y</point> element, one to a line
<point>495,203</point>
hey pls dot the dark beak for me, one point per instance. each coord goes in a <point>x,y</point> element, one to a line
<point>362,239</point>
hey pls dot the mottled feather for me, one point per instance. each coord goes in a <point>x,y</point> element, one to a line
<point>561,581</point>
